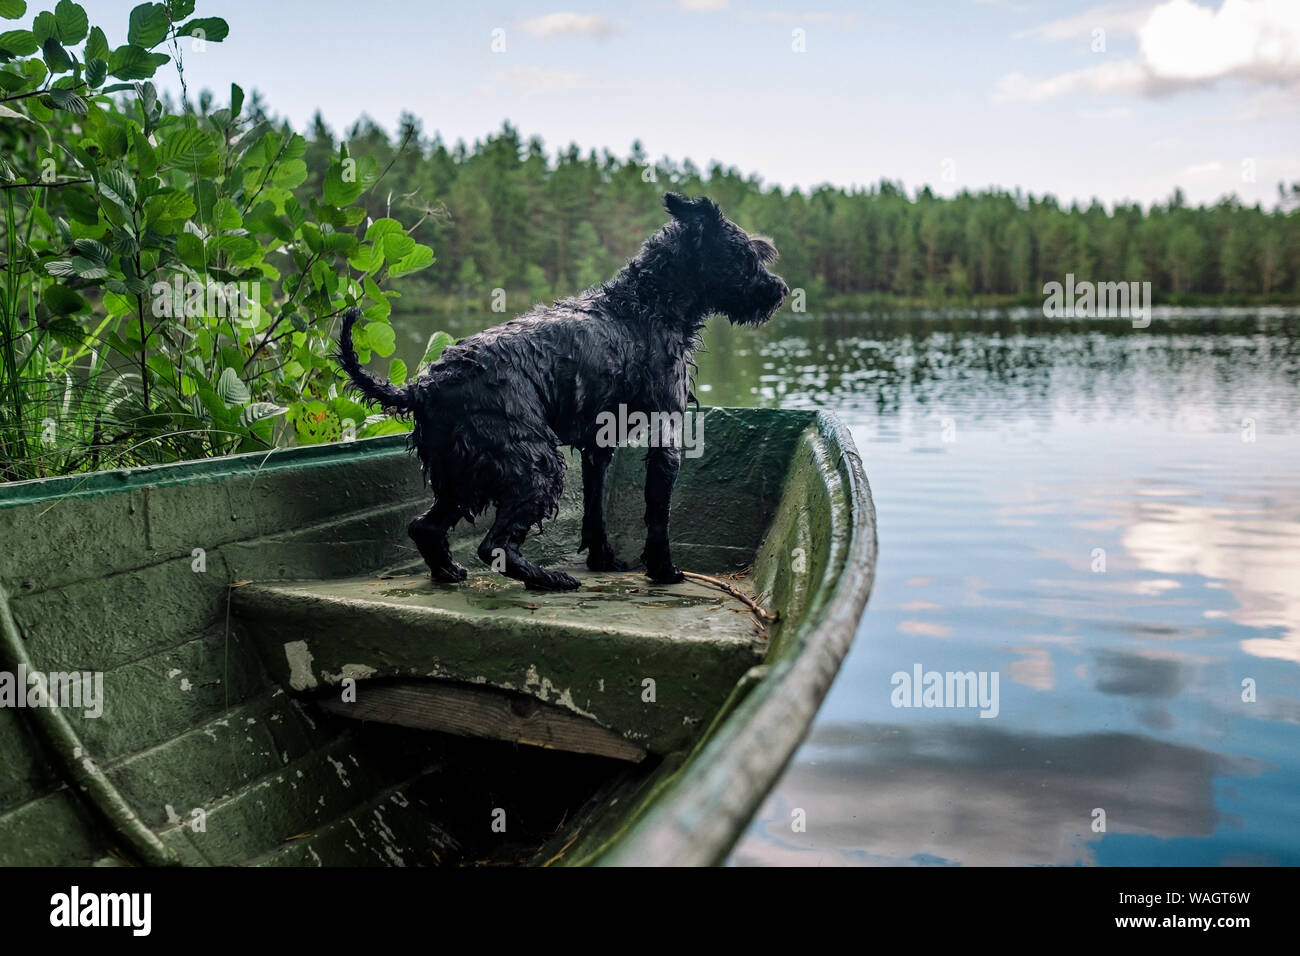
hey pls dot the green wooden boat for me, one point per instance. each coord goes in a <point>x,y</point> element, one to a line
<point>252,668</point>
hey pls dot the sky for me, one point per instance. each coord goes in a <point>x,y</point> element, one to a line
<point>1120,101</point>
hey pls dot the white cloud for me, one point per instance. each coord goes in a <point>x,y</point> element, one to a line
<point>1111,17</point>
<point>1204,169</point>
<point>1181,45</point>
<point>530,80</point>
<point>1259,39</point>
<point>1120,76</point>
<point>703,6</point>
<point>569,24</point>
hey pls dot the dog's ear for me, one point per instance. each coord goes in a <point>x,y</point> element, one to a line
<point>691,210</point>
<point>765,249</point>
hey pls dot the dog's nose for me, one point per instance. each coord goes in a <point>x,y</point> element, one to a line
<point>785,289</point>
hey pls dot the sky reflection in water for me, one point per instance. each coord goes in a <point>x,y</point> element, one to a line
<point>1002,453</point>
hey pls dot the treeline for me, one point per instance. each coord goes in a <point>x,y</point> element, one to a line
<point>504,213</point>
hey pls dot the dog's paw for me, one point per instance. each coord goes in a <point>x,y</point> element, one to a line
<point>450,575</point>
<point>553,581</point>
<point>669,574</point>
<point>601,558</point>
<point>659,565</point>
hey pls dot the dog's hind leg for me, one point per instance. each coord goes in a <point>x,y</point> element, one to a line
<point>595,539</point>
<point>430,533</point>
<point>500,549</point>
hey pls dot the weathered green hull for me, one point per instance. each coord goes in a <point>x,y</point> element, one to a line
<point>211,750</point>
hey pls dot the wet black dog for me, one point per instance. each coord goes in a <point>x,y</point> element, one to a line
<point>492,411</point>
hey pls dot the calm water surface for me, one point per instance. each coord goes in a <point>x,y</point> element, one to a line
<point>1107,518</point>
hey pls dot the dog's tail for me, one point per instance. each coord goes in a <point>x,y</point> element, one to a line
<point>385,393</point>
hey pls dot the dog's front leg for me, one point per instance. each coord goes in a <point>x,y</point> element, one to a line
<point>595,537</point>
<point>661,473</point>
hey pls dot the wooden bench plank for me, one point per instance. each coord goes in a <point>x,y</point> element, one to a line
<point>472,711</point>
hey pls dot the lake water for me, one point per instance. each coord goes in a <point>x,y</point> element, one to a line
<point>1106,518</point>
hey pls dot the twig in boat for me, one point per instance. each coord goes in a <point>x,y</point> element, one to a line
<point>738,594</point>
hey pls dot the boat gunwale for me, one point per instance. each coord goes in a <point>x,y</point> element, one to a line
<point>55,487</point>
<point>716,792</point>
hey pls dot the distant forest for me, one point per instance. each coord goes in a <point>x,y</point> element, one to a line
<point>505,213</point>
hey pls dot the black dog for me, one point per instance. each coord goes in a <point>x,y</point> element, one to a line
<point>492,411</point>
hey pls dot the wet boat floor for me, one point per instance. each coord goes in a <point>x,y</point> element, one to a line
<point>625,602</point>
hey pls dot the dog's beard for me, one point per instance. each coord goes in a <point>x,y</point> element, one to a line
<point>758,317</point>
<point>755,315</point>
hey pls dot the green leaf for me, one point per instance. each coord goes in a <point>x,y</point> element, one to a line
<point>225,215</point>
<point>236,100</point>
<point>180,9</point>
<point>60,267</point>
<point>289,174</point>
<point>382,227</point>
<point>389,426</point>
<point>96,45</point>
<point>381,337</point>
<point>117,186</point>
<point>12,9</point>
<point>36,70</point>
<point>297,215</point>
<point>65,331</point>
<point>186,147</point>
<point>231,389</point>
<point>72,21</point>
<point>311,235</point>
<point>131,62</point>
<point>239,250</point>
<point>421,257</point>
<point>112,141</point>
<point>366,258</point>
<point>437,342</point>
<point>96,73</point>
<point>261,219</point>
<point>12,82</point>
<point>93,250</point>
<point>87,269</point>
<point>118,304</point>
<point>144,154</point>
<point>189,248</point>
<point>397,372</point>
<point>67,100</point>
<point>56,58</point>
<point>82,206</point>
<point>340,242</point>
<point>314,423</point>
<point>340,189</point>
<point>148,25</point>
<point>45,26</point>
<point>259,411</point>
<point>19,42</point>
<point>170,204</point>
<point>397,246</point>
<point>62,301</point>
<point>7,113</point>
<point>205,28</point>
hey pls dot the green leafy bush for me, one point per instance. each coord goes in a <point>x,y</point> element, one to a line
<point>167,292</point>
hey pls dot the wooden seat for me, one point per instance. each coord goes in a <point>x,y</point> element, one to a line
<point>620,667</point>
